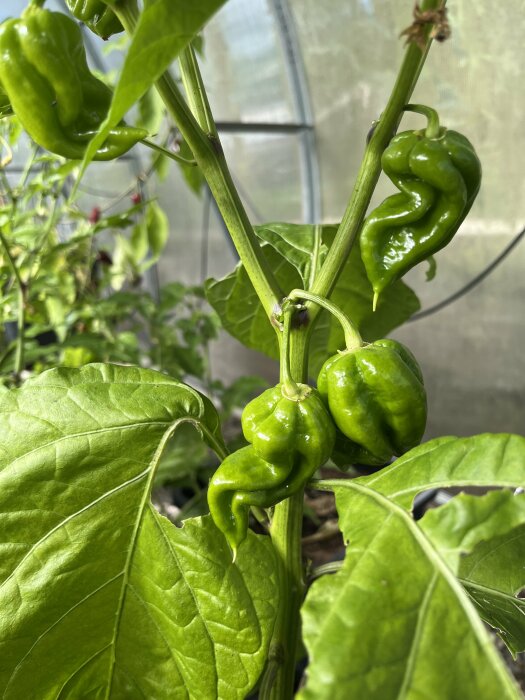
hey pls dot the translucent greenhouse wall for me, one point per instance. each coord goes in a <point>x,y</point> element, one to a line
<point>295,86</point>
<point>471,351</point>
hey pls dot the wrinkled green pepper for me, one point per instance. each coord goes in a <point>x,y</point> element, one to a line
<point>97,16</point>
<point>438,174</point>
<point>59,102</point>
<point>376,396</point>
<point>290,439</point>
<point>5,106</point>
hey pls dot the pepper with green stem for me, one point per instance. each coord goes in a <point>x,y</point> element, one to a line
<point>291,435</point>
<point>46,80</point>
<point>374,392</point>
<point>97,16</point>
<point>438,174</point>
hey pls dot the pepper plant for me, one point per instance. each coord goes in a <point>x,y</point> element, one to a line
<point>103,597</point>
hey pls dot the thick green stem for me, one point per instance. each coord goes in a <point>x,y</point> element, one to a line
<point>286,529</point>
<point>286,533</point>
<point>286,525</point>
<point>371,166</point>
<point>196,92</point>
<point>353,338</point>
<point>20,339</point>
<point>207,150</point>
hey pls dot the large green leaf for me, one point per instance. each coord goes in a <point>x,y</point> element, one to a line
<point>398,619</point>
<point>482,538</point>
<point>241,313</point>
<point>164,29</point>
<point>101,596</point>
<point>395,623</point>
<point>295,253</point>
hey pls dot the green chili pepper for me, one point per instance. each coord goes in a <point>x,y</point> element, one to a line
<point>376,396</point>
<point>5,106</point>
<point>291,438</point>
<point>96,15</point>
<point>59,102</point>
<point>438,174</point>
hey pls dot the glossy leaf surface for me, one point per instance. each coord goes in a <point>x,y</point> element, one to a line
<point>482,460</point>
<point>100,596</point>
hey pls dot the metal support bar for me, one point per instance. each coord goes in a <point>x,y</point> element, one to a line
<point>301,96</point>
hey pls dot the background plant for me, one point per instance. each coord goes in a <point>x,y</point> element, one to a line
<point>402,615</point>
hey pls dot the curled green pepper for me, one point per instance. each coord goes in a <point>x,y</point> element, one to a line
<point>5,106</point>
<point>96,15</point>
<point>290,439</point>
<point>438,174</point>
<point>60,103</point>
<point>376,397</point>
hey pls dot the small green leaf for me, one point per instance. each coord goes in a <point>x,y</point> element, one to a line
<point>192,173</point>
<point>302,245</point>
<point>157,225</point>
<point>138,242</point>
<point>151,112</point>
<point>164,29</point>
<point>149,236</point>
<point>100,595</point>
<point>161,165</point>
<point>56,312</point>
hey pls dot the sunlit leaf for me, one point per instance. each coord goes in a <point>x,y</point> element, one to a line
<point>164,29</point>
<point>100,595</point>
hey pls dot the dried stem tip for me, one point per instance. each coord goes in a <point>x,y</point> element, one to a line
<point>416,33</point>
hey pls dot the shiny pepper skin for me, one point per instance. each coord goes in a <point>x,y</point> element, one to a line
<point>377,400</point>
<point>60,103</point>
<point>96,15</point>
<point>438,179</point>
<point>5,106</point>
<point>290,439</point>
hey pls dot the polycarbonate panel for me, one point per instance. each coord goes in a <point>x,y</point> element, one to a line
<point>13,8</point>
<point>244,66</point>
<point>266,168</point>
<point>474,80</point>
<point>470,352</point>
